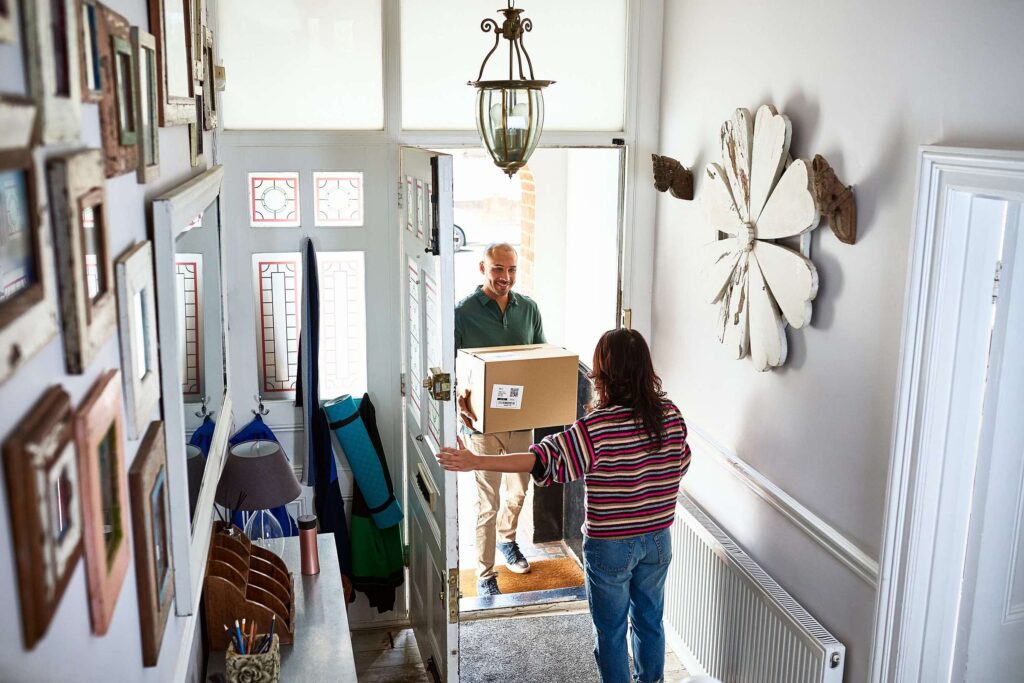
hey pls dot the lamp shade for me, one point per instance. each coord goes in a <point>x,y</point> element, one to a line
<point>258,474</point>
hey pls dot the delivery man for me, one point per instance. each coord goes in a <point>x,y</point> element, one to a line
<point>494,315</point>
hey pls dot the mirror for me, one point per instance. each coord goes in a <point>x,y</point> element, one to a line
<point>190,311</point>
<point>200,343</point>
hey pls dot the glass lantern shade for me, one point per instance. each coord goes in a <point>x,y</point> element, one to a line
<point>509,121</point>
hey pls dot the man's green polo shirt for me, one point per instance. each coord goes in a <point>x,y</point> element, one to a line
<point>480,322</point>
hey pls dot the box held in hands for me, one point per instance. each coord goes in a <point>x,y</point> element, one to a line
<point>519,387</point>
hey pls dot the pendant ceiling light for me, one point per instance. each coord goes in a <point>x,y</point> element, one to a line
<point>510,113</point>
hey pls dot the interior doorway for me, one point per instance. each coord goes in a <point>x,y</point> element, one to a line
<point>562,213</point>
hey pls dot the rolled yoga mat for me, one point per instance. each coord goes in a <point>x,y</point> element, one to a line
<point>366,463</point>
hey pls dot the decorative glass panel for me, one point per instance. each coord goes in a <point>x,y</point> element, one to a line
<point>274,199</point>
<point>433,311</point>
<point>342,276</point>
<point>410,205</point>
<point>17,250</point>
<point>279,52</point>
<point>189,271</point>
<point>415,382</point>
<point>589,73</point>
<point>277,296</point>
<point>339,199</point>
<point>420,220</point>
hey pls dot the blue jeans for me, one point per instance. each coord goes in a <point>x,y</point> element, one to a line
<point>626,577</point>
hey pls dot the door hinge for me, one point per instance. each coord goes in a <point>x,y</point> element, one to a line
<point>453,595</point>
<point>627,318</point>
<point>406,549</point>
<point>995,281</point>
<point>401,187</point>
<point>401,383</point>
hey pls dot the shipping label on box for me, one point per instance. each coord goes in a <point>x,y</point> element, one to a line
<point>507,396</point>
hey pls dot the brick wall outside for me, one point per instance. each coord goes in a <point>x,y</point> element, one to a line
<point>527,229</point>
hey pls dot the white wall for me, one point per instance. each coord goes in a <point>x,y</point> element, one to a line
<point>69,651</point>
<point>864,84</point>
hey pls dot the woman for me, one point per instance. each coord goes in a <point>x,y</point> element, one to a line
<point>631,450</point>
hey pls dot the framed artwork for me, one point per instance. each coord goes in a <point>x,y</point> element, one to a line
<point>195,137</point>
<point>118,116</point>
<point>154,570</point>
<point>209,90</point>
<point>146,105</point>
<point>52,60</point>
<point>196,13</point>
<point>28,302</point>
<point>89,50</point>
<point>8,22</point>
<point>46,514</point>
<point>84,267</point>
<point>175,73</point>
<point>100,443</point>
<point>136,316</point>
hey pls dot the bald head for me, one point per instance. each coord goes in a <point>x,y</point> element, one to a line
<point>499,270</point>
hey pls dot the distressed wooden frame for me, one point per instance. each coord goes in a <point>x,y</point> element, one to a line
<point>77,183</point>
<point>147,114</point>
<point>172,214</point>
<point>8,21</point>
<point>37,454</point>
<point>88,48</point>
<point>98,416</point>
<point>174,110</point>
<point>148,472</point>
<point>60,113</point>
<point>210,118</point>
<point>28,321</point>
<point>118,123</point>
<point>134,270</point>
<point>195,138</point>
<point>195,22</point>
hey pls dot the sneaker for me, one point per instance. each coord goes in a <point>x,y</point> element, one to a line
<point>488,586</point>
<point>514,558</point>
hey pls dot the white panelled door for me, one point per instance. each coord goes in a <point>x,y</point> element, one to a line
<point>995,621</point>
<point>427,271</point>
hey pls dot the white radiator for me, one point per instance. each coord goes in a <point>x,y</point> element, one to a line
<point>726,617</point>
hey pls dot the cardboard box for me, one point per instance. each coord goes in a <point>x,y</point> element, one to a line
<point>519,387</point>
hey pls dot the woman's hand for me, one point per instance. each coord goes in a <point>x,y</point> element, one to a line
<point>458,460</point>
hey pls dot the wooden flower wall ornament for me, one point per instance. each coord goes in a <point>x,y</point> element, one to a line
<point>757,195</point>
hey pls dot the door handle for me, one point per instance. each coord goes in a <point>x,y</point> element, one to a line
<point>439,384</point>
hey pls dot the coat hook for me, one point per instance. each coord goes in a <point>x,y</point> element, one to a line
<point>262,410</point>
<point>203,410</point>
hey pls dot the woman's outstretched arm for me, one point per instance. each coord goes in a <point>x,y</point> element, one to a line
<point>465,460</point>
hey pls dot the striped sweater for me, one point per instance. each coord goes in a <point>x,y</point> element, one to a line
<point>631,484</point>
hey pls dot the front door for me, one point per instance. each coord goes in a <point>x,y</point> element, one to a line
<point>428,311</point>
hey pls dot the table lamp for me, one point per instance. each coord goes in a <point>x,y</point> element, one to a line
<point>257,476</point>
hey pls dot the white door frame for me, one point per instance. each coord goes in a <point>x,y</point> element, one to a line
<point>931,483</point>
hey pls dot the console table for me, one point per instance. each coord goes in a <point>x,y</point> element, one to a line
<point>322,650</point>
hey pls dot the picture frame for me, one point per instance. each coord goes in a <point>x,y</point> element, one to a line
<point>147,105</point>
<point>8,21</point>
<point>52,61</point>
<point>136,314</point>
<point>154,568</point>
<point>196,141</point>
<point>46,516</point>
<point>28,300</point>
<point>84,269</point>
<point>118,108</point>
<point>99,438</point>
<point>196,15</point>
<point>210,114</point>
<point>89,19</point>
<point>175,72</point>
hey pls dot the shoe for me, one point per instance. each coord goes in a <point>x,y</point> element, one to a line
<point>514,558</point>
<point>488,586</point>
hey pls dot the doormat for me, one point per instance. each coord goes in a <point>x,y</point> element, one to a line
<point>556,648</point>
<point>544,575</point>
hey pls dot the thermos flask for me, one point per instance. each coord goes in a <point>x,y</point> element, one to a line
<point>307,545</point>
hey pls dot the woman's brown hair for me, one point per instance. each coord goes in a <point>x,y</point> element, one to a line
<point>624,376</point>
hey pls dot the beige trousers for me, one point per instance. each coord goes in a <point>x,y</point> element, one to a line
<point>491,525</point>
